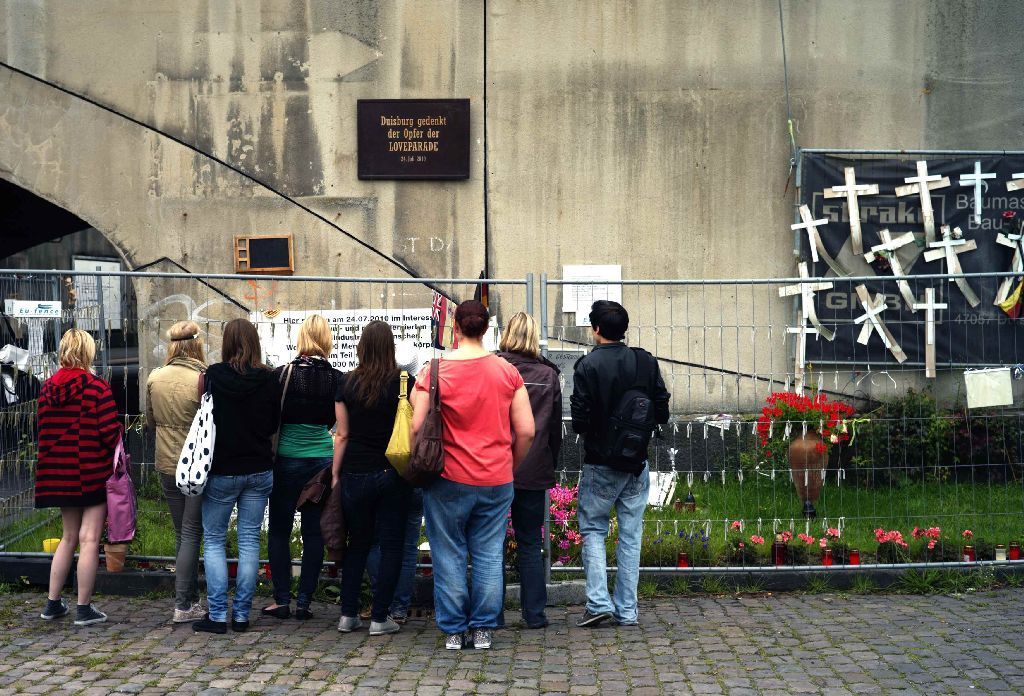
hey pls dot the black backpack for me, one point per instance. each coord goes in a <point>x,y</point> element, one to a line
<point>631,423</point>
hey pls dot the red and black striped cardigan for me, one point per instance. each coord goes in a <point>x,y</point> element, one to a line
<point>78,430</point>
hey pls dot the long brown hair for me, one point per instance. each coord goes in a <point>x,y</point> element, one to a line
<point>240,346</point>
<point>377,367</point>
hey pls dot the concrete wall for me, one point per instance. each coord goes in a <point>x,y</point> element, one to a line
<point>651,134</point>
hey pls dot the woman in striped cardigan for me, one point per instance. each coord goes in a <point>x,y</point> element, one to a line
<point>78,431</point>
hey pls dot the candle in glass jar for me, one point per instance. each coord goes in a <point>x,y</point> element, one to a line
<point>969,554</point>
<point>826,560</point>
<point>854,557</point>
<point>1000,552</point>
<point>1014,552</point>
<point>682,561</point>
<point>779,550</point>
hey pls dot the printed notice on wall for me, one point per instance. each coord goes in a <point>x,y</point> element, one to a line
<point>591,285</point>
<point>413,138</point>
<point>279,332</point>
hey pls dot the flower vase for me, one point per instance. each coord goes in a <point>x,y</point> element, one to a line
<point>808,457</point>
<point>114,556</point>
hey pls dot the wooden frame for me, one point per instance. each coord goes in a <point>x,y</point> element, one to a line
<point>243,258</point>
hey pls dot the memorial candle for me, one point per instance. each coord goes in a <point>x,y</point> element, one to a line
<point>854,557</point>
<point>1014,553</point>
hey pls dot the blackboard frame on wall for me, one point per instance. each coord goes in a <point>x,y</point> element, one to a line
<point>267,254</point>
<point>413,138</point>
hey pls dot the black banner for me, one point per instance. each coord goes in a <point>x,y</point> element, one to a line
<point>983,334</point>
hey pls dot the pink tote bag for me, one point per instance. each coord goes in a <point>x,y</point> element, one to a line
<point>120,498</point>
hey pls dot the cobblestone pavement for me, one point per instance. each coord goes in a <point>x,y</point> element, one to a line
<point>768,645</point>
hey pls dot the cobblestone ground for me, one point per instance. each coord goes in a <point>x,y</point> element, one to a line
<point>766,645</point>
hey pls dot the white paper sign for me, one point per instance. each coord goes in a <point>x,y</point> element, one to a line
<point>991,387</point>
<point>32,309</point>
<point>280,332</point>
<point>89,291</point>
<point>578,298</point>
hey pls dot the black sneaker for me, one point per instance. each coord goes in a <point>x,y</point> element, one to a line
<point>207,625</point>
<point>239,626</point>
<point>55,609</point>
<point>87,615</point>
<point>303,614</point>
<point>589,620</point>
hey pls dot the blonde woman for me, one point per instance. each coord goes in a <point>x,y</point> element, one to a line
<point>304,449</point>
<point>520,345</point>
<point>172,399</point>
<point>78,431</point>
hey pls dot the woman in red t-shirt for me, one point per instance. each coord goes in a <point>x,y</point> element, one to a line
<point>488,429</point>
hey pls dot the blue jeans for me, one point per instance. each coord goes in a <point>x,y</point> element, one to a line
<point>222,493</point>
<point>528,524</point>
<point>602,489</point>
<point>375,506</point>
<point>410,555</point>
<point>290,475</point>
<point>463,521</point>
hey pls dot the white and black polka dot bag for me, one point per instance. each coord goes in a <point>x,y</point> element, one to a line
<point>197,454</point>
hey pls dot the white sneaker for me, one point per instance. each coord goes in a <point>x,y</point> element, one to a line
<point>481,639</point>
<point>383,628</point>
<point>453,641</point>
<point>347,624</point>
<point>194,613</point>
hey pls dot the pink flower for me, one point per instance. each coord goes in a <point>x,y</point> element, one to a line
<point>931,544</point>
<point>822,543</point>
<point>787,537</point>
<point>933,532</point>
<point>563,544</point>
<point>563,560</point>
<point>741,545</point>
<point>968,534</point>
<point>917,533</point>
<point>832,533</point>
<point>736,525</point>
<point>806,538</point>
<point>757,540</point>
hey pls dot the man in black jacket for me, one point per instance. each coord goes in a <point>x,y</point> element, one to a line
<point>606,376</point>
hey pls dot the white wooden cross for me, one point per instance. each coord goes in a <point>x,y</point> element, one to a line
<point>975,180</point>
<point>872,321</point>
<point>806,292</point>
<point>951,245</point>
<point>1016,182</point>
<point>929,306</point>
<point>851,189</point>
<point>800,354</point>
<point>810,225</point>
<point>921,185</point>
<point>890,247</point>
<point>1015,241</point>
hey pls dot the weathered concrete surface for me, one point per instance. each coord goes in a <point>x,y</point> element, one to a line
<point>648,134</point>
<point>817,644</point>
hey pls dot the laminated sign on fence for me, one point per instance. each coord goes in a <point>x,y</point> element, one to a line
<point>279,331</point>
<point>916,215</point>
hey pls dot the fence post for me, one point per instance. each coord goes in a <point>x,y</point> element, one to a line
<point>529,294</point>
<point>547,493</point>
<point>544,313</point>
<point>102,327</point>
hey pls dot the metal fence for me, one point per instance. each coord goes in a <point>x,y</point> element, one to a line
<point>916,456</point>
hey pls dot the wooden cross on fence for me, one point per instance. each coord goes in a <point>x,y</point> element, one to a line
<point>806,292</point>
<point>1014,240</point>
<point>889,247</point>
<point>929,306</point>
<point>921,185</point>
<point>872,321</point>
<point>949,248</point>
<point>975,180</point>
<point>851,189</point>
<point>800,354</point>
<point>810,225</point>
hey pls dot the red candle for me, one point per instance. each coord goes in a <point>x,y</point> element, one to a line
<point>1013,553</point>
<point>428,571</point>
<point>332,570</point>
<point>266,569</point>
<point>854,557</point>
<point>682,561</point>
<point>969,554</point>
<point>779,550</point>
<point>827,558</point>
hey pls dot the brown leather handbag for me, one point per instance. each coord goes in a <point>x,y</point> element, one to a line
<point>427,460</point>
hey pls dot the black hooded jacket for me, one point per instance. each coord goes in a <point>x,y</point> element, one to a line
<point>537,470</point>
<point>246,411</point>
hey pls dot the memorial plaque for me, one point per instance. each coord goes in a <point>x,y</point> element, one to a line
<point>413,138</point>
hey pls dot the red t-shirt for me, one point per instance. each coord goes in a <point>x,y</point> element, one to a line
<point>476,396</point>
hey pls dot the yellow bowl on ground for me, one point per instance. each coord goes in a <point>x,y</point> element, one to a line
<point>50,545</point>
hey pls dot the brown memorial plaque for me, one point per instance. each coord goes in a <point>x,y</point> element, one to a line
<point>413,138</point>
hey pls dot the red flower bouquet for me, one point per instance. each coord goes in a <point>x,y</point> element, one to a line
<point>827,418</point>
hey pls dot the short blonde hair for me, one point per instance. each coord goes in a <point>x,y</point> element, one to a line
<point>185,342</point>
<point>521,335</point>
<point>315,337</point>
<point>77,349</point>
